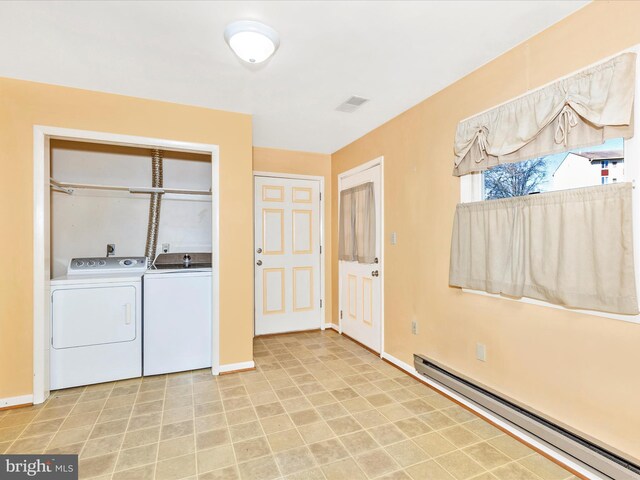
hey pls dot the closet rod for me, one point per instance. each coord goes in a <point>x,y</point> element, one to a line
<point>69,187</point>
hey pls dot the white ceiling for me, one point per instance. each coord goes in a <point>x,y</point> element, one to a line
<point>395,53</point>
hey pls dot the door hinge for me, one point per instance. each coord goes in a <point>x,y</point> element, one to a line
<point>320,196</point>
<point>320,303</point>
<point>340,314</point>
<point>320,248</point>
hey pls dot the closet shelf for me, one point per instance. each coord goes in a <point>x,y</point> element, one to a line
<point>68,188</point>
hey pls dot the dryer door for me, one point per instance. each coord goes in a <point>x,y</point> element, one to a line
<point>93,316</point>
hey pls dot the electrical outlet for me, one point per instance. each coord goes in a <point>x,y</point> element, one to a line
<point>166,247</point>
<point>414,327</point>
<point>481,352</point>
<point>394,238</point>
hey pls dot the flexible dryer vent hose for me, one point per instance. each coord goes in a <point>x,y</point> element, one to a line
<point>154,205</point>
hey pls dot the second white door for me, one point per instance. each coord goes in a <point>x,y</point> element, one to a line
<point>287,255</point>
<point>360,283</point>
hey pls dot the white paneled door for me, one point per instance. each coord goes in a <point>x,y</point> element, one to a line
<point>287,255</point>
<point>360,283</point>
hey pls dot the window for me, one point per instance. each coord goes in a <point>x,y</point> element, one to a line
<point>573,169</point>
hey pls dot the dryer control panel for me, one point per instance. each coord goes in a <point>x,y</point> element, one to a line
<point>106,265</point>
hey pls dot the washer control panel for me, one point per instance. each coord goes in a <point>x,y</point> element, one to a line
<point>107,265</point>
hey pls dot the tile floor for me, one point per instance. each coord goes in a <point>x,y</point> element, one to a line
<point>318,406</point>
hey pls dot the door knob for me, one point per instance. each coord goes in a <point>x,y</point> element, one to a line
<point>375,273</point>
<point>259,250</point>
<point>259,262</point>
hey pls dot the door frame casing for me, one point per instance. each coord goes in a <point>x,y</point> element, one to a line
<point>341,176</point>
<point>42,244</point>
<point>292,176</point>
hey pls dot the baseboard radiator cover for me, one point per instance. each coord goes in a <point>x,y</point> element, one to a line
<point>594,457</point>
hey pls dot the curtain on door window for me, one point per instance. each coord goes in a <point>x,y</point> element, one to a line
<point>572,248</point>
<point>357,224</point>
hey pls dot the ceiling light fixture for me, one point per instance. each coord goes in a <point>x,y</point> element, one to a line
<point>253,42</point>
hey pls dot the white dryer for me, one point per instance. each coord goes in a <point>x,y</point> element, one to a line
<point>96,327</point>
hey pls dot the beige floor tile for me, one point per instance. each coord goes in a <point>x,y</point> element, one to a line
<point>243,415</point>
<point>69,437</point>
<point>387,434</point>
<point>511,447</point>
<point>264,468</point>
<point>285,440</point>
<point>134,457</point>
<point>269,410</point>
<point>460,436</point>
<point>376,463</point>
<point>315,432</point>
<point>215,458</point>
<point>176,467</point>
<point>437,420</point>
<point>328,451</point>
<point>412,427</point>
<point>394,412</point>
<point>36,444</point>
<point>245,431</point>
<point>305,417</point>
<point>145,421</point>
<point>371,418</point>
<point>343,469</point>
<point>212,438</point>
<point>428,470</point>
<point>544,468</point>
<point>250,449</point>
<point>176,447</point>
<point>294,460</point>
<point>434,444</point>
<point>406,453</point>
<point>344,425</point>
<point>312,474</point>
<point>102,446</point>
<point>96,466</point>
<point>276,424</point>
<point>359,442</point>
<point>137,438</point>
<point>145,472</point>
<point>461,466</point>
<point>227,473</point>
<point>514,471</point>
<point>488,456</point>
<point>175,415</point>
<point>482,429</point>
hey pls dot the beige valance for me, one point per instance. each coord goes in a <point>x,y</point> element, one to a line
<point>585,109</point>
<point>357,224</point>
<point>571,248</point>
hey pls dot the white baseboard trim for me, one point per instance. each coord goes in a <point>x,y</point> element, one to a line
<point>332,325</point>
<point>232,367</point>
<point>13,401</point>
<point>534,442</point>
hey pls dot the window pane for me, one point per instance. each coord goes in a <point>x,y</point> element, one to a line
<point>598,165</point>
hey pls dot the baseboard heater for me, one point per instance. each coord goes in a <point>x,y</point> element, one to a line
<point>598,459</point>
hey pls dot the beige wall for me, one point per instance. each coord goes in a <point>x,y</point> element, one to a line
<point>304,163</point>
<point>25,104</point>
<point>580,369</point>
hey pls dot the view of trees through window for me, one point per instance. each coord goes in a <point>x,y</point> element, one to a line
<point>598,165</point>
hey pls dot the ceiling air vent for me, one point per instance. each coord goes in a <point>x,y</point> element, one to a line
<point>352,104</point>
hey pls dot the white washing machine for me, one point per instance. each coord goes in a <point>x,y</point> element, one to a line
<point>96,321</point>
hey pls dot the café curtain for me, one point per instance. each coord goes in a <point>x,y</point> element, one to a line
<point>572,248</point>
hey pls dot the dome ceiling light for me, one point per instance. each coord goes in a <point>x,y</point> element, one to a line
<point>253,42</point>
